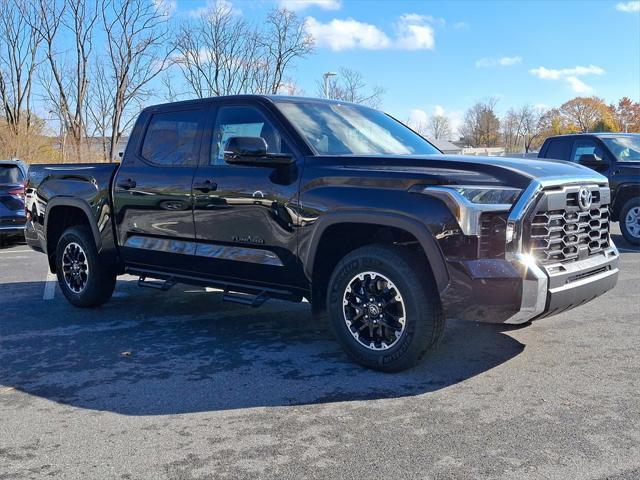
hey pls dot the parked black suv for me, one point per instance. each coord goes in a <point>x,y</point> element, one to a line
<point>292,198</point>
<point>13,173</point>
<point>614,155</point>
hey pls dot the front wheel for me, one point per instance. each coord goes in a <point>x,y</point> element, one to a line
<point>630,221</point>
<point>383,307</point>
<point>83,277</point>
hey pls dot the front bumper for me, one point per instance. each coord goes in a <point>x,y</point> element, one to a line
<point>551,289</point>
<point>519,290</point>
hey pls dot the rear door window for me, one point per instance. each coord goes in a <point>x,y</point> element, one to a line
<point>173,138</point>
<point>10,174</point>
<point>559,148</point>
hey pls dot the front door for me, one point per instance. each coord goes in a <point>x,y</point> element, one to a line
<point>152,190</point>
<point>601,160</point>
<point>245,215</point>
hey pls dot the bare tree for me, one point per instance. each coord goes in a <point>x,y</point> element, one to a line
<point>137,32</point>
<point>285,40</point>
<point>221,53</point>
<point>530,129</point>
<point>510,130</point>
<point>350,86</point>
<point>67,81</point>
<point>19,43</point>
<point>212,51</point>
<point>439,126</point>
<point>100,106</point>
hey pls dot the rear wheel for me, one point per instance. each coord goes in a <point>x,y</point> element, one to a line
<point>83,277</point>
<point>630,221</point>
<point>383,307</point>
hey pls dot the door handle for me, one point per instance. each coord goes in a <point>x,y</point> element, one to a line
<point>205,186</point>
<point>127,184</point>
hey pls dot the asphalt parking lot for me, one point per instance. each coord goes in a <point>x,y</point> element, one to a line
<point>180,385</point>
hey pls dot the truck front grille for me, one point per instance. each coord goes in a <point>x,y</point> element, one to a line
<point>563,231</point>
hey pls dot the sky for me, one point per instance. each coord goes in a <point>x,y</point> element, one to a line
<point>441,56</point>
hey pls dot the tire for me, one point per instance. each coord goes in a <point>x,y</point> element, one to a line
<point>630,221</point>
<point>415,298</point>
<point>91,288</point>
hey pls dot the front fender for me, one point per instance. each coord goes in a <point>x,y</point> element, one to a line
<point>389,219</point>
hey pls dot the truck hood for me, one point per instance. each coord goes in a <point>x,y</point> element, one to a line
<point>468,170</point>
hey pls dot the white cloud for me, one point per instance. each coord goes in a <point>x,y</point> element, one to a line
<point>297,5</point>
<point>461,26</point>
<point>346,34</point>
<point>438,110</point>
<point>569,75</point>
<point>417,118</point>
<point>629,7</point>
<point>498,62</point>
<point>578,85</point>
<point>555,74</point>
<point>413,32</point>
<point>419,18</point>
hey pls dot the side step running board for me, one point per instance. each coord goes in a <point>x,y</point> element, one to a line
<point>163,285</point>
<point>245,298</point>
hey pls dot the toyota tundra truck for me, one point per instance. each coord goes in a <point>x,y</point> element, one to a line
<point>339,204</point>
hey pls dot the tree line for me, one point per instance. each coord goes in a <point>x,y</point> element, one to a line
<point>89,66</point>
<point>525,128</point>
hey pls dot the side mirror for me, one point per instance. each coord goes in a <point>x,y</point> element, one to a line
<point>252,151</point>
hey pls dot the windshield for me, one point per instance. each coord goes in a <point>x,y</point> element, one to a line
<point>625,149</point>
<point>346,129</point>
<point>10,174</point>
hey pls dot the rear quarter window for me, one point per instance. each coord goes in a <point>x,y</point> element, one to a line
<point>10,174</point>
<point>559,148</point>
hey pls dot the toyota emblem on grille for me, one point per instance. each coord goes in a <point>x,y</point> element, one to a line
<point>585,198</point>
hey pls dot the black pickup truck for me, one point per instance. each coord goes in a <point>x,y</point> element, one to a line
<point>296,198</point>
<point>617,157</point>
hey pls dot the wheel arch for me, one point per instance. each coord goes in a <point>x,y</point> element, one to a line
<point>67,212</point>
<point>402,223</point>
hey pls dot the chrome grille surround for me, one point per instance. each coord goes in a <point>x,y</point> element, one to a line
<point>536,276</point>
<point>562,231</point>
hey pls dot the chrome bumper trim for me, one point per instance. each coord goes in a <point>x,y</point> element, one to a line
<point>534,289</point>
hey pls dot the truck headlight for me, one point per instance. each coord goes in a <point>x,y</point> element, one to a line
<point>488,195</point>
<point>469,202</point>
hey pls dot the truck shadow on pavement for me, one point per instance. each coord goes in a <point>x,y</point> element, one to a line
<point>149,353</point>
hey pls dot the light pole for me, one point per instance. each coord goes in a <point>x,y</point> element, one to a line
<point>325,77</point>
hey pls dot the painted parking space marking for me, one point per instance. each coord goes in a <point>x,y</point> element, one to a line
<point>49,286</point>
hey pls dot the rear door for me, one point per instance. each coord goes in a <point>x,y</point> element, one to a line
<point>245,215</point>
<point>558,148</point>
<point>152,196</point>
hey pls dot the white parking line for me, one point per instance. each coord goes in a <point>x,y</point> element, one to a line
<point>49,286</point>
<point>8,252</point>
